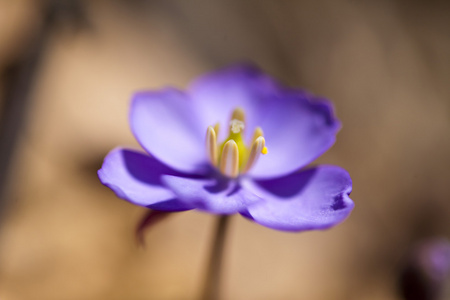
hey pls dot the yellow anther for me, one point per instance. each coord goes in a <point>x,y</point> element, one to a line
<point>238,114</point>
<point>237,123</point>
<point>257,148</point>
<point>229,160</point>
<point>211,145</point>
<point>257,133</point>
<point>216,128</point>
<point>264,150</point>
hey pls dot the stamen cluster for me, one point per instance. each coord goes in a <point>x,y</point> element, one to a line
<point>233,157</point>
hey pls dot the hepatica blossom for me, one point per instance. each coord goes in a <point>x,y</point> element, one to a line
<point>234,142</point>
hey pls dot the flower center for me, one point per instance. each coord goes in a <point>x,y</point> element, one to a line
<point>232,157</point>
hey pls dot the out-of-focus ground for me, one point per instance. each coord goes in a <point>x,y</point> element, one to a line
<point>386,66</point>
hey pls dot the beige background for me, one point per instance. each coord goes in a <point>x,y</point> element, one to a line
<point>385,65</point>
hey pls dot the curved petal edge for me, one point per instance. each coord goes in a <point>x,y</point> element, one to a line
<point>136,177</point>
<point>314,199</point>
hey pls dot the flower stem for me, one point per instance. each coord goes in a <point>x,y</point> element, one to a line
<point>212,281</point>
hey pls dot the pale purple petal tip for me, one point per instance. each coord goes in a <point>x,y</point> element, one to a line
<point>313,199</point>
<point>136,177</point>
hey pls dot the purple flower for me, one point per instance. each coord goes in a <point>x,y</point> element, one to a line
<point>427,270</point>
<point>233,143</point>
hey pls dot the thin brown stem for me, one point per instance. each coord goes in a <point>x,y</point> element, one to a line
<point>213,274</point>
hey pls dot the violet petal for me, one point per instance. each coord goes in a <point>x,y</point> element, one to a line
<point>312,199</point>
<point>297,126</point>
<point>166,125</point>
<point>215,195</point>
<point>136,177</point>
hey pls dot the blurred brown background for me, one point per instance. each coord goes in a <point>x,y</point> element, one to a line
<point>385,64</point>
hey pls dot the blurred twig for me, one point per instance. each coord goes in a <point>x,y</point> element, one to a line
<point>20,76</point>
